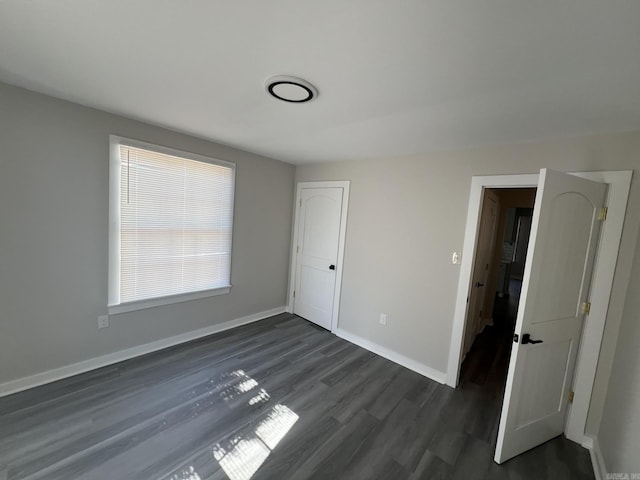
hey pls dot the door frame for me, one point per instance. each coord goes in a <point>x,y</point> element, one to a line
<point>344,184</point>
<point>601,284</point>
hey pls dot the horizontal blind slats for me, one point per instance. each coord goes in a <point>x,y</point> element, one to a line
<point>175,225</point>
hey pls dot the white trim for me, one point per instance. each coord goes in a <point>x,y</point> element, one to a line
<point>169,299</point>
<point>478,184</point>
<point>587,442</point>
<point>602,283</point>
<point>20,384</point>
<point>597,460</point>
<point>344,184</point>
<point>395,357</point>
<point>154,147</point>
<point>113,293</point>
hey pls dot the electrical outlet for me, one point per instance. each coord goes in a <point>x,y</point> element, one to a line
<point>103,321</point>
<point>383,319</point>
<point>456,258</point>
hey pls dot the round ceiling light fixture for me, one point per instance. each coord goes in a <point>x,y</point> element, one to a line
<point>291,89</point>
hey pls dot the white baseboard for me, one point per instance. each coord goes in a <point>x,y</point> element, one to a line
<point>597,460</point>
<point>587,442</point>
<point>25,383</point>
<point>396,357</point>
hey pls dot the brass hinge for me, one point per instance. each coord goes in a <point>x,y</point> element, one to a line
<point>603,213</point>
<point>586,308</point>
<point>570,398</point>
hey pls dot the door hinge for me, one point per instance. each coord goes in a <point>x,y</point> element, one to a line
<point>298,249</point>
<point>294,294</point>
<point>300,202</point>
<point>586,308</point>
<point>603,213</point>
<point>570,397</point>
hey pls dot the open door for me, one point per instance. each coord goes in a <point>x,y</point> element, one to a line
<point>477,315</point>
<point>555,287</point>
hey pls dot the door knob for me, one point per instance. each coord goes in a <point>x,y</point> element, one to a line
<point>332,267</point>
<point>478,284</point>
<point>526,338</point>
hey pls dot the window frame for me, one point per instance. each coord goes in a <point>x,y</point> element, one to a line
<point>114,305</point>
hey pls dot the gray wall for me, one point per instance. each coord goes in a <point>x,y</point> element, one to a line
<point>54,177</point>
<point>620,428</point>
<point>406,217</point>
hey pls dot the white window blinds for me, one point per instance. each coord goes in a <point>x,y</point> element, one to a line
<point>175,222</point>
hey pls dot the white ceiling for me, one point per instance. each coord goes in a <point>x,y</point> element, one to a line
<point>395,77</point>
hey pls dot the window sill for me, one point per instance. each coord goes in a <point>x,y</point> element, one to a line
<point>157,302</point>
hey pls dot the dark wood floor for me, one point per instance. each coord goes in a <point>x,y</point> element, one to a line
<point>277,399</point>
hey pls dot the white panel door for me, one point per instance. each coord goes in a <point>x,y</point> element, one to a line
<point>318,236</point>
<point>562,246</point>
<point>484,255</point>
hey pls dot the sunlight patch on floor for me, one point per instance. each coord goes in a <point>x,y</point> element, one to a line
<point>242,457</point>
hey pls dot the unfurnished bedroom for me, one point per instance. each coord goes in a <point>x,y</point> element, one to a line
<point>319,240</point>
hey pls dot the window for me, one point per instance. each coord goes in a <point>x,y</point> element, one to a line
<point>171,217</point>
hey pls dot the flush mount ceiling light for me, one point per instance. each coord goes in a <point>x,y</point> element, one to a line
<point>290,89</point>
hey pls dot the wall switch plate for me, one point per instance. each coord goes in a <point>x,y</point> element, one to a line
<point>456,257</point>
<point>383,319</point>
<point>103,321</point>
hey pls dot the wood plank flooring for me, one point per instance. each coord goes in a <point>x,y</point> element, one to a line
<point>277,399</point>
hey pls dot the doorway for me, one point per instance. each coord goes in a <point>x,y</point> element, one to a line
<point>318,251</point>
<point>497,283</point>
<point>616,196</point>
